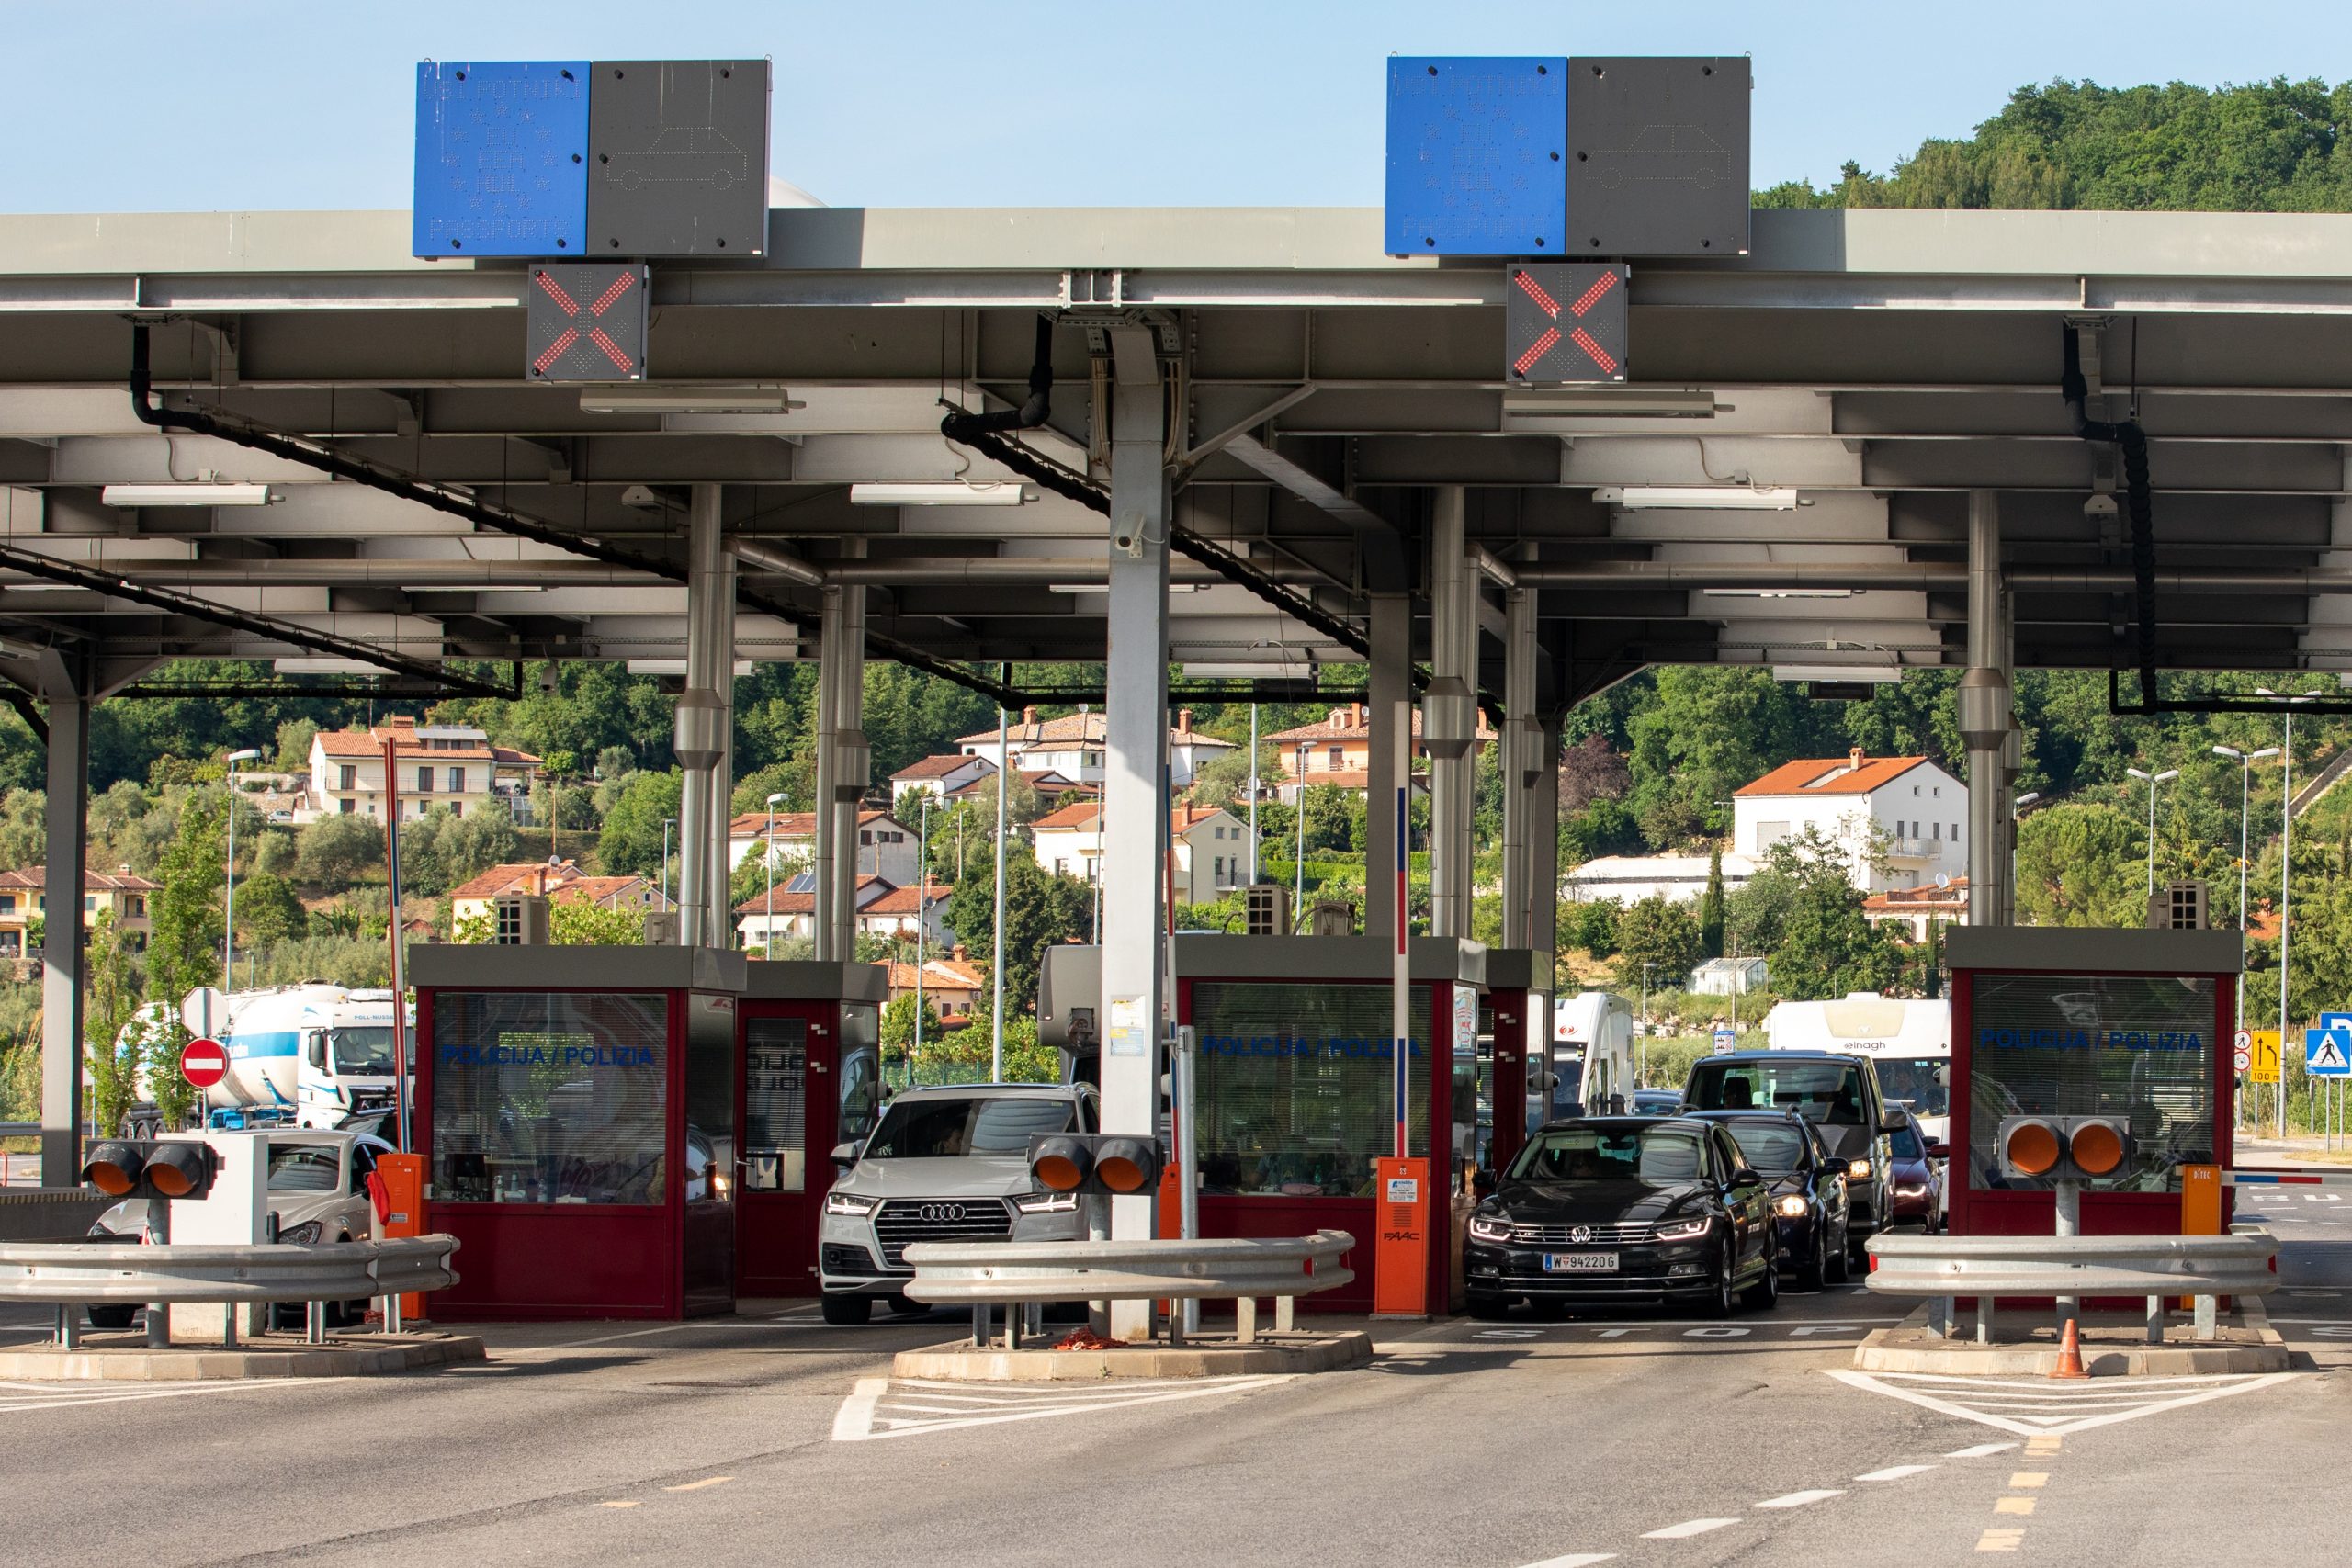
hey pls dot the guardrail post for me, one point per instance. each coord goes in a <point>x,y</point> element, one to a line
<point>69,1325</point>
<point>1285,1312</point>
<point>2155,1320</point>
<point>1984,1320</point>
<point>1939,1316</point>
<point>980,1326</point>
<point>1245,1320</point>
<point>2206,1312</point>
<point>314,1323</point>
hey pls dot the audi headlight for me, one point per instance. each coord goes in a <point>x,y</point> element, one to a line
<point>1046,1202</point>
<point>306,1234</point>
<point>1683,1230</point>
<point>850,1204</point>
<point>1792,1207</point>
<point>1858,1169</point>
<point>1490,1227</point>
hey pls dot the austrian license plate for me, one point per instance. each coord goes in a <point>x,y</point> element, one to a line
<point>1580,1263</point>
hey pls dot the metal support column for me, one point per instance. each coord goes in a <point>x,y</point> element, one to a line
<point>1392,683</point>
<point>1450,714</point>
<point>61,949</point>
<point>1543,861</point>
<point>1522,745</point>
<point>1984,702</point>
<point>720,929</point>
<point>709,591</point>
<point>851,770</point>
<point>1134,805</point>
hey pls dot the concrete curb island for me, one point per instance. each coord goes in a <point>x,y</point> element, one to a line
<point>1210,1356</point>
<point>2108,1350</point>
<point>128,1358</point>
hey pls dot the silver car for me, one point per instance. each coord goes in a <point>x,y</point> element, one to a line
<point>948,1163</point>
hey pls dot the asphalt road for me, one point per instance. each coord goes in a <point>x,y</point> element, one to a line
<point>1641,1439</point>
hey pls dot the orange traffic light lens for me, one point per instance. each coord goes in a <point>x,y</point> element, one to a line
<point>1060,1172</point>
<point>111,1179</point>
<point>2034,1148</point>
<point>2098,1149</point>
<point>1121,1174</point>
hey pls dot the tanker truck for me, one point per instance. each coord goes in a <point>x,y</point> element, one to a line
<point>308,1056</point>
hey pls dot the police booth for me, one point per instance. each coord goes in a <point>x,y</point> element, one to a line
<point>1514,1032</point>
<point>577,1107</point>
<point>812,1078</point>
<point>1294,1089</point>
<point>2067,1021</point>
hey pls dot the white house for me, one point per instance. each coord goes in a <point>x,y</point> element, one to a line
<point>887,847</point>
<point>791,912</point>
<point>1073,746</point>
<point>438,765</point>
<point>939,777</point>
<point>1897,822</point>
<point>895,913</point>
<point>1629,879</point>
<point>1211,846</point>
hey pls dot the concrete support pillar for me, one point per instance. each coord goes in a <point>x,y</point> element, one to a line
<point>1392,682</point>
<point>710,661</point>
<point>61,954</point>
<point>1450,714</point>
<point>1135,801</point>
<point>841,763</point>
<point>1984,718</point>
<point>1522,745</point>
<point>1544,859</point>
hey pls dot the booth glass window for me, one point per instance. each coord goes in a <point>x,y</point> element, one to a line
<point>710,1096</point>
<point>2136,1047</point>
<point>860,1069</point>
<point>544,1098</point>
<point>775,1105</point>
<point>1296,1088</point>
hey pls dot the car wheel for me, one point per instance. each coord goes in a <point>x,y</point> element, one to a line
<point>1810,1272</point>
<point>847,1310</point>
<point>1720,1302</point>
<point>1765,1294</point>
<point>1485,1304</point>
<point>1834,1266</point>
<point>902,1306</point>
<point>1858,1251</point>
<point>112,1316</point>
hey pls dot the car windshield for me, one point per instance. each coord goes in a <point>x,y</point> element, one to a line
<point>1912,1078</point>
<point>1658,1155</point>
<point>1770,1149</point>
<point>363,1050</point>
<point>303,1168</point>
<point>1826,1092</point>
<point>1906,1142</point>
<point>923,1128</point>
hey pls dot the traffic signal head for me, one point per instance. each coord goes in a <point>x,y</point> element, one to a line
<point>138,1167</point>
<point>2052,1148</point>
<point>1114,1163</point>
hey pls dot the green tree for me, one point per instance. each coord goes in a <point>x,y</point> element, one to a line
<point>898,1024</point>
<point>576,922</point>
<point>2082,866</point>
<point>632,837</point>
<point>334,853</point>
<point>1040,910</point>
<point>184,946</point>
<point>1711,906</point>
<point>1663,935</point>
<point>114,1049</point>
<point>1828,947</point>
<point>268,913</point>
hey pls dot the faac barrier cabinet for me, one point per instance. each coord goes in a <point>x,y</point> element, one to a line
<point>2068,1023</point>
<point>577,1108</point>
<point>1294,1099</point>
<point>812,1079</point>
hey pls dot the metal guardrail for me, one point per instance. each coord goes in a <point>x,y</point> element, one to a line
<point>1945,1267</point>
<point>982,1274</point>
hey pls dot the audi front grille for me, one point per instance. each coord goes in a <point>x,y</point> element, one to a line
<point>903,1221</point>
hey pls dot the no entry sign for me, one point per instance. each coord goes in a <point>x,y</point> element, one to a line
<point>204,1062</point>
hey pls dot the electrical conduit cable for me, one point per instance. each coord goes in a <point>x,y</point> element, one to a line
<point>2133,441</point>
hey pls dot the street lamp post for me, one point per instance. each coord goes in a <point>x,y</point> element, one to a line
<point>229,911</point>
<point>1642,1063</point>
<point>2153,780</point>
<point>1253,796</point>
<point>1298,871</point>
<point>667,824</point>
<point>2286,869</point>
<point>923,895</point>
<point>767,853</point>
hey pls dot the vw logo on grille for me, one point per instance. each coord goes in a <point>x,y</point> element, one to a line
<point>937,1213</point>
<point>1581,1235</point>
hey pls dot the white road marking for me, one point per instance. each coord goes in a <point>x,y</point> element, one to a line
<point>1687,1527</point>
<point>1982,1451</point>
<point>1897,1472</point>
<point>898,1407</point>
<point>2037,1409</point>
<point>1799,1499</point>
<point>1575,1559</point>
<point>15,1396</point>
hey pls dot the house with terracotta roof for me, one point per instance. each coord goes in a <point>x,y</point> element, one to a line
<point>790,913</point>
<point>895,914</point>
<point>885,846</point>
<point>24,896</point>
<point>1337,749</point>
<point>563,883</point>
<point>1210,845</point>
<point>437,765</point>
<point>952,987</point>
<point>1074,745</point>
<point>1919,908</point>
<point>940,777</point>
<point>1897,821</point>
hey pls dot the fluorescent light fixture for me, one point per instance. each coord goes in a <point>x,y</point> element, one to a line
<point>473,588</point>
<point>1881,674</point>
<point>197,494</point>
<point>1523,409</point>
<point>1698,498</point>
<point>1222,670</point>
<point>1106,587</point>
<point>1006,492</point>
<point>1778,592</point>
<point>676,667</point>
<point>685,400</point>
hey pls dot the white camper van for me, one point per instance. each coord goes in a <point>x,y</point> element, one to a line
<point>1592,1054</point>
<point>1909,1039</point>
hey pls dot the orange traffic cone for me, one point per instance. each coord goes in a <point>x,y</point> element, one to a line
<point>2070,1354</point>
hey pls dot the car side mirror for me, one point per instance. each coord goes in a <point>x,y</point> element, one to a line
<point>1746,1176</point>
<point>1483,1183</point>
<point>1939,1151</point>
<point>844,1155</point>
<point>1892,1125</point>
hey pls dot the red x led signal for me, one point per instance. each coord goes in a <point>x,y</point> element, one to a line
<point>1584,340</point>
<point>586,322</point>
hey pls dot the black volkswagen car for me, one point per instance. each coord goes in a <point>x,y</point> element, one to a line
<point>1810,1207</point>
<point>1616,1207</point>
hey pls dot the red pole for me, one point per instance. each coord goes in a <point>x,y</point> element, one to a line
<point>393,901</point>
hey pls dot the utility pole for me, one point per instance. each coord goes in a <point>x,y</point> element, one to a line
<point>996,975</point>
<point>229,913</point>
<point>2153,780</point>
<point>1253,798</point>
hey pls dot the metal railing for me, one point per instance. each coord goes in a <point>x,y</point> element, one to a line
<point>1017,1274</point>
<point>72,1275</point>
<point>1946,1268</point>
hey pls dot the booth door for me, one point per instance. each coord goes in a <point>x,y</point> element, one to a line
<point>790,1059</point>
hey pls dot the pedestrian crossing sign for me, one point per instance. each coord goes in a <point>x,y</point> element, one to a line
<point>2327,1053</point>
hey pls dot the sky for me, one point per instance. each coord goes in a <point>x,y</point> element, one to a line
<point>142,106</point>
